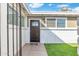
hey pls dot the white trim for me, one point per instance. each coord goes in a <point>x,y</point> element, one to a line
<point>27,9</point>
<point>55,12</point>
<point>59,28</point>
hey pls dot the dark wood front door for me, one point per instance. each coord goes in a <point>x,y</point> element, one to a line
<point>34,31</point>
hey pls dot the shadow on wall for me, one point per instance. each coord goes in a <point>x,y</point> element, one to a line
<point>49,37</point>
<point>58,35</point>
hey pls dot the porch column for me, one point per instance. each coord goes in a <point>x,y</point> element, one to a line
<point>78,35</point>
<point>3,29</point>
<point>0,29</point>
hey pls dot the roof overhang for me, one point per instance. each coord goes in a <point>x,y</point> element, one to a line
<point>26,8</point>
<point>55,14</point>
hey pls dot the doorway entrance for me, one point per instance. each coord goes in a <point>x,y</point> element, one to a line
<point>34,31</point>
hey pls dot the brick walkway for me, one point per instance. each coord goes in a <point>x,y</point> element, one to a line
<point>34,50</point>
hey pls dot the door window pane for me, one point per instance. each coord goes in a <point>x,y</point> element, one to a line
<point>35,23</point>
<point>60,23</point>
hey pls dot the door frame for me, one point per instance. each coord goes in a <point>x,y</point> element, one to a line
<point>34,19</point>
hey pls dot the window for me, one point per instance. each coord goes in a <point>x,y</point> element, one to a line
<point>60,23</point>
<point>35,23</point>
<point>56,22</point>
<point>22,21</point>
<point>14,17</point>
<point>71,22</point>
<point>51,22</point>
<point>11,20</point>
<point>10,15</point>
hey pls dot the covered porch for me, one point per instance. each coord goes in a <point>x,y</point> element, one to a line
<point>16,27</point>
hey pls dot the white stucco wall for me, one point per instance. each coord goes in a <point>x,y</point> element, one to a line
<point>58,36</point>
<point>55,36</point>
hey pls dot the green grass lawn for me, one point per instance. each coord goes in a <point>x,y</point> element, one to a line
<point>61,49</point>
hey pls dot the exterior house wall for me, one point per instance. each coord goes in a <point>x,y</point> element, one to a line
<point>47,35</point>
<point>55,35</point>
<point>16,48</point>
<point>11,40</point>
<point>58,36</point>
<point>3,23</point>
